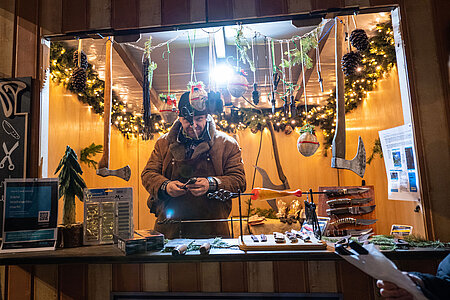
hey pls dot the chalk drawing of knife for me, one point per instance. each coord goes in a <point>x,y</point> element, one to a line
<point>9,129</point>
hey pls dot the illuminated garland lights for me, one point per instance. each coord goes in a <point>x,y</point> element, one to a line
<point>377,61</point>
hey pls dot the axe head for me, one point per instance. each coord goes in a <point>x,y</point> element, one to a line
<point>357,164</point>
<point>124,173</point>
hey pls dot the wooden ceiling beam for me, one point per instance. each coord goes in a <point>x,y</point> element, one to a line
<point>312,53</point>
<point>136,71</point>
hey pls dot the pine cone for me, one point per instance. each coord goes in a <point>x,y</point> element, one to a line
<point>359,39</point>
<point>79,79</point>
<point>83,62</point>
<point>350,62</point>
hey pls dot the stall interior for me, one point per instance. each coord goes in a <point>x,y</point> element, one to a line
<point>278,120</point>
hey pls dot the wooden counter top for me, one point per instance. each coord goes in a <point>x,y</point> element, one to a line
<point>110,254</point>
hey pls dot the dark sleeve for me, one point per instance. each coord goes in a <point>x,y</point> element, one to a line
<point>437,287</point>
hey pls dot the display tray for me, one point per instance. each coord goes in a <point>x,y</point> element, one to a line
<point>247,244</point>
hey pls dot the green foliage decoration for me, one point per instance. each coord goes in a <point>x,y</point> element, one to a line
<point>88,152</point>
<point>243,46</point>
<point>70,184</point>
<point>309,42</point>
<point>376,150</point>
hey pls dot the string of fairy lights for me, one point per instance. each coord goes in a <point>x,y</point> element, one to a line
<point>376,63</point>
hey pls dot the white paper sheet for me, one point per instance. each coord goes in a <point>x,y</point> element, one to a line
<point>400,161</point>
<point>379,266</point>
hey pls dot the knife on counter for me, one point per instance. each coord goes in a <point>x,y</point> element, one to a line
<point>348,201</point>
<point>353,221</point>
<point>343,192</point>
<point>354,210</point>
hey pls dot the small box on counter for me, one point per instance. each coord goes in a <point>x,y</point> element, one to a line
<point>154,239</point>
<point>141,242</point>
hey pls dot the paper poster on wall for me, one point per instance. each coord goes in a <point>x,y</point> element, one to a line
<point>400,161</point>
<point>30,215</point>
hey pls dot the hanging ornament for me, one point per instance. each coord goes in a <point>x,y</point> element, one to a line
<point>359,39</point>
<point>350,63</point>
<point>148,67</point>
<point>307,143</point>
<point>254,130</point>
<point>214,104</point>
<point>238,84</point>
<point>79,73</point>
<point>255,92</point>
<point>293,107</point>
<point>168,111</point>
<point>288,129</point>
<point>198,96</point>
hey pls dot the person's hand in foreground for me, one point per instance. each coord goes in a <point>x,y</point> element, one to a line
<point>390,290</point>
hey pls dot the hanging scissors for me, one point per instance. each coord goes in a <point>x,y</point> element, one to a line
<point>8,156</point>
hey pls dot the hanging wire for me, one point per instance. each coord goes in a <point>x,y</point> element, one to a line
<point>168,69</point>
<point>318,65</point>
<point>354,20</point>
<point>303,76</point>
<point>290,67</point>
<point>160,44</point>
<point>283,69</point>
<point>192,52</point>
<point>212,60</point>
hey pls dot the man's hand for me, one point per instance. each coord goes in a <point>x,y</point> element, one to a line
<point>200,187</point>
<point>174,189</point>
<point>390,290</point>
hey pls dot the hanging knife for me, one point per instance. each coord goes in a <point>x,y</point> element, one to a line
<point>342,192</point>
<point>347,201</point>
<point>353,221</point>
<point>351,232</point>
<point>354,210</point>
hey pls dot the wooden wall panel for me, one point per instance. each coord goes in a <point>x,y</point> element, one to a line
<point>72,280</point>
<point>198,11</point>
<point>155,277</point>
<point>184,277</point>
<point>353,283</point>
<point>244,9</point>
<point>327,4</point>
<point>7,29</point>
<point>210,276</point>
<point>75,15</point>
<point>149,13</point>
<point>46,282</point>
<point>260,276</point>
<point>295,6</point>
<point>419,265</point>
<point>234,277</point>
<point>126,278</point>
<point>51,16</point>
<point>290,277</point>
<point>26,41</point>
<point>125,14</point>
<point>100,14</point>
<point>3,281</point>
<point>19,282</point>
<point>218,10</point>
<point>99,283</point>
<point>358,3</point>
<point>270,7</point>
<point>175,12</point>
<point>322,276</point>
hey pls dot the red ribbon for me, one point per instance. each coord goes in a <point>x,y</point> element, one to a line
<point>171,102</point>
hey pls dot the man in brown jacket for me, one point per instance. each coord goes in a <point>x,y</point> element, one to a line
<point>193,148</point>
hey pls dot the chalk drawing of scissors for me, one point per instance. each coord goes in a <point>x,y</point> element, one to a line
<point>9,129</point>
<point>8,156</point>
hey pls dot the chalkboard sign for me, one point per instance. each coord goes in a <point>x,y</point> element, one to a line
<point>15,99</point>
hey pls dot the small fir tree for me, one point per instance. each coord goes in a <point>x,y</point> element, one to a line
<point>70,184</point>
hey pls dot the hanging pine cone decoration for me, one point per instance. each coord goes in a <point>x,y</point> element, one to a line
<point>79,79</point>
<point>83,61</point>
<point>350,62</point>
<point>359,39</point>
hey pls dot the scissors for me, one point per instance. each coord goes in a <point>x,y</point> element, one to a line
<point>8,156</point>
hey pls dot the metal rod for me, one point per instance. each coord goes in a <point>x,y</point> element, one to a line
<point>240,217</point>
